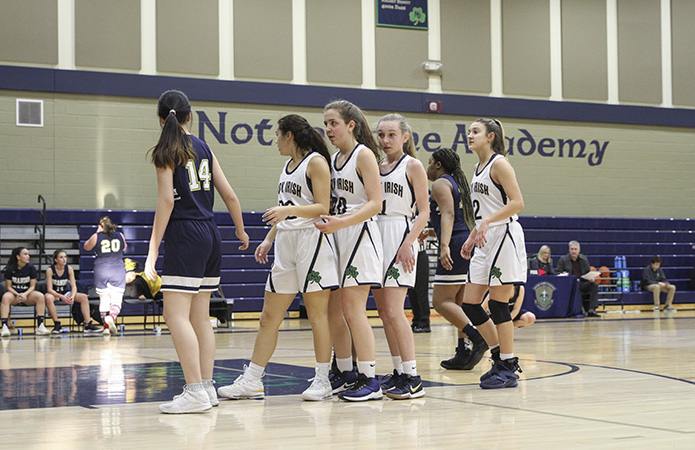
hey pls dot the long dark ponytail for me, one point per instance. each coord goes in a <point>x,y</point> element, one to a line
<point>307,138</point>
<point>174,146</point>
<point>451,163</point>
<point>362,132</point>
<point>12,261</point>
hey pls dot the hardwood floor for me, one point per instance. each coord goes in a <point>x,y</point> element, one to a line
<point>619,381</point>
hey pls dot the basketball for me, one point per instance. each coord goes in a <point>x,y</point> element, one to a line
<point>605,274</point>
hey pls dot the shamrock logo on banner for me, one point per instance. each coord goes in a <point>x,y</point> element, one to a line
<point>417,16</point>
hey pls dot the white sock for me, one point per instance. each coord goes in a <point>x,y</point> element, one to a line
<point>322,369</point>
<point>505,356</point>
<point>195,387</point>
<point>397,364</point>
<point>367,368</point>
<point>254,372</point>
<point>344,364</point>
<point>207,383</point>
<point>410,368</point>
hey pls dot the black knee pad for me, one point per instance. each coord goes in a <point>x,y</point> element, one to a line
<point>475,313</point>
<point>499,312</point>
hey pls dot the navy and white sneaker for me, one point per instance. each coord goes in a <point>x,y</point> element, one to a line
<point>390,381</point>
<point>363,390</point>
<point>502,374</point>
<point>342,381</point>
<point>408,387</point>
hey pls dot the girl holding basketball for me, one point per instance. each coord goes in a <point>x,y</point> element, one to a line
<point>356,199</point>
<point>404,185</point>
<point>304,258</point>
<point>187,174</point>
<point>499,260</point>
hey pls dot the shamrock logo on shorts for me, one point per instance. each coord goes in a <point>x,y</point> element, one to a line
<point>393,273</point>
<point>352,272</point>
<point>314,277</point>
<point>496,272</point>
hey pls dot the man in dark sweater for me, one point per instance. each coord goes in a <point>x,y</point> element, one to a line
<point>574,263</point>
<point>654,281</point>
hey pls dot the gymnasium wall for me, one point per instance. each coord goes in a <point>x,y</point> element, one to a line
<point>596,95</point>
<point>91,153</point>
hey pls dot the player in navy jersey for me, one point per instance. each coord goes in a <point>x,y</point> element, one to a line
<point>61,285</point>
<point>499,261</point>
<point>20,280</point>
<point>109,272</point>
<point>451,218</point>
<point>404,184</point>
<point>356,199</point>
<point>187,172</point>
<point>304,257</point>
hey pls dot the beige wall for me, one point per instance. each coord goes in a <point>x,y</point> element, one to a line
<point>91,154</point>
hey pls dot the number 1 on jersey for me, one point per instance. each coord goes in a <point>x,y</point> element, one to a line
<point>202,174</point>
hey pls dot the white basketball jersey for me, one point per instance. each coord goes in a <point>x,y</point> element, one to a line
<point>347,189</point>
<point>487,196</point>
<point>294,188</point>
<point>397,192</point>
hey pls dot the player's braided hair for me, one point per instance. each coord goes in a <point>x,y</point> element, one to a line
<point>451,163</point>
<point>174,146</point>
<point>305,136</point>
<point>409,146</point>
<point>494,126</point>
<point>361,132</point>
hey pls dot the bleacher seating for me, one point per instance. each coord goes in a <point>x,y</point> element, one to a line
<point>602,239</point>
<point>243,279</point>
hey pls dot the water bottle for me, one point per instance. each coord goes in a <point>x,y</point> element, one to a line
<point>616,262</point>
<point>626,281</point>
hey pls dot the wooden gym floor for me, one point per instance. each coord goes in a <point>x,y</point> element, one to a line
<point>619,381</point>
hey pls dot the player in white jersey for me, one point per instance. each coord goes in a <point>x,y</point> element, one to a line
<point>356,199</point>
<point>403,182</point>
<point>304,257</point>
<point>499,260</point>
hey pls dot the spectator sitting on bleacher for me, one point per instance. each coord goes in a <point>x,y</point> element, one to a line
<point>574,263</point>
<point>542,263</point>
<point>654,281</point>
<point>61,285</point>
<point>138,285</point>
<point>20,279</point>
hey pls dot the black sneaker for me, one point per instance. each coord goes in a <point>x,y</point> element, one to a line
<point>57,328</point>
<point>388,382</point>
<point>408,387</point>
<point>477,352</point>
<point>91,328</point>
<point>424,329</point>
<point>459,361</point>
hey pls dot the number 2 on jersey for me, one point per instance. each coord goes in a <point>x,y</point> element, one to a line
<point>202,174</point>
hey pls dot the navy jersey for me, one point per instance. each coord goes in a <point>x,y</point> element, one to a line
<point>61,283</point>
<point>109,250</point>
<point>436,216</point>
<point>193,185</point>
<point>21,278</point>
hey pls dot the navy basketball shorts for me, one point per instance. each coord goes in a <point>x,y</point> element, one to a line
<point>192,256</point>
<point>459,272</point>
<point>109,278</point>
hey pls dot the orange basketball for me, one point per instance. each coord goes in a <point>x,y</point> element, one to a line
<point>605,274</point>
